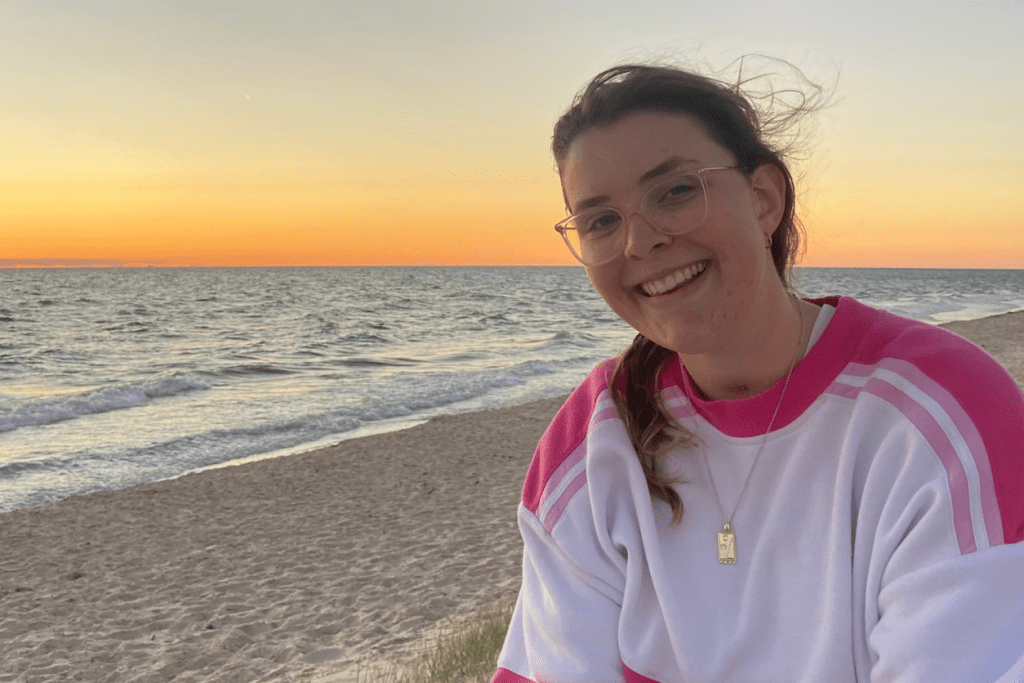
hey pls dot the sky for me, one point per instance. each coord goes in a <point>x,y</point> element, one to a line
<point>257,133</point>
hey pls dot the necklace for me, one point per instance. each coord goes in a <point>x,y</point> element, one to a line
<point>727,537</point>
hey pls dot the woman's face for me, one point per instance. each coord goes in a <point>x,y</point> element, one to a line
<point>731,278</point>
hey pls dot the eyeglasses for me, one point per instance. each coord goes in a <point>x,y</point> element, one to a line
<point>673,207</point>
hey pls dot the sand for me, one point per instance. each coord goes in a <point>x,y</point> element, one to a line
<point>291,569</point>
<point>272,570</point>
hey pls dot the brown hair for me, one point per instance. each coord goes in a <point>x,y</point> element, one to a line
<point>734,122</point>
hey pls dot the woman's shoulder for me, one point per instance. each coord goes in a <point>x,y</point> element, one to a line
<point>879,339</point>
<point>561,449</point>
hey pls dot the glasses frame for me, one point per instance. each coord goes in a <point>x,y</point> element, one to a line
<point>562,226</point>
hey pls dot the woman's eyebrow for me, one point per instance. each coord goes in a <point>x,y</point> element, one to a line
<point>591,202</point>
<point>670,164</point>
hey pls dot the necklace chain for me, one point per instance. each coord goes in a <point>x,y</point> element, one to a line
<point>727,537</point>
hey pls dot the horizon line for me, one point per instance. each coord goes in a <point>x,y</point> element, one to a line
<point>101,264</point>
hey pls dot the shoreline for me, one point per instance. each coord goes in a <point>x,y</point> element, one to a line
<point>289,568</point>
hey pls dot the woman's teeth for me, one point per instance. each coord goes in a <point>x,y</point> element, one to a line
<point>673,280</point>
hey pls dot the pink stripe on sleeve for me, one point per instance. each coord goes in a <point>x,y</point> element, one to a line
<point>609,413</point>
<point>565,433</point>
<point>682,412</point>
<point>506,676</point>
<point>633,677</point>
<point>992,402</point>
<point>981,398</point>
<point>964,426</point>
<point>555,513</point>
<point>989,398</point>
<point>560,473</point>
<point>844,390</point>
<point>558,476</point>
<point>940,444</point>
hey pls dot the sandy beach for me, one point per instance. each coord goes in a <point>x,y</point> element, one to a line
<point>290,569</point>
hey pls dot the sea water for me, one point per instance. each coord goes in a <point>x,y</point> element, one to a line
<point>115,377</point>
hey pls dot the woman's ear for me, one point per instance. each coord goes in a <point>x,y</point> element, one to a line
<point>770,191</point>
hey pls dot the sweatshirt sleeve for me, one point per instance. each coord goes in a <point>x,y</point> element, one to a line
<point>564,627</point>
<point>947,540</point>
<point>959,619</point>
<point>565,624</point>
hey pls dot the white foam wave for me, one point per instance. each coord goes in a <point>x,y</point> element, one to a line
<point>47,411</point>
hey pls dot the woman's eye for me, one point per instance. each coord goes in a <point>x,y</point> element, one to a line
<point>678,191</point>
<point>601,224</point>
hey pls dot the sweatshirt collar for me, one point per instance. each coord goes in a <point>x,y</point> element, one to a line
<point>748,417</point>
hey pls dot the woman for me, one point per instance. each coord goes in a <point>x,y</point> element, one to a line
<point>761,488</point>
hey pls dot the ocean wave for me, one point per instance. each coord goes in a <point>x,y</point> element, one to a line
<point>402,304</point>
<point>569,338</point>
<point>57,477</point>
<point>134,327</point>
<point>255,369</point>
<point>41,412</point>
<point>498,319</point>
<point>973,312</point>
<point>468,357</point>
<point>432,391</point>
<point>376,362</point>
<point>12,470</point>
<point>326,326</point>
<point>362,338</point>
<point>472,296</point>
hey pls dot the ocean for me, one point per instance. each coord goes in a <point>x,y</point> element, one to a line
<point>116,377</point>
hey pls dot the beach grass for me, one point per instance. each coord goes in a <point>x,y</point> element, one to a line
<point>464,650</point>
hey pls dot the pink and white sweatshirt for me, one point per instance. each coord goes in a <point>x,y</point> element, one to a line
<point>880,538</point>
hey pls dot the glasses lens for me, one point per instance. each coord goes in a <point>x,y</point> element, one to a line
<point>595,236</point>
<point>678,205</point>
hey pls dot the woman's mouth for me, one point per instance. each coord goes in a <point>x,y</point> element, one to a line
<point>673,281</point>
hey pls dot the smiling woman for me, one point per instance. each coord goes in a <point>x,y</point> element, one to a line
<point>853,498</point>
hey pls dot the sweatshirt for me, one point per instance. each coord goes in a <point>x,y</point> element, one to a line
<point>880,537</point>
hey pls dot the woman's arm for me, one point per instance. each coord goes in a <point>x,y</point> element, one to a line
<point>946,577</point>
<point>564,627</point>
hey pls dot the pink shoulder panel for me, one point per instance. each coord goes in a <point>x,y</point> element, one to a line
<point>979,396</point>
<point>565,433</point>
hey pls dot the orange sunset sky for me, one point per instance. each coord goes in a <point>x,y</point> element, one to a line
<point>210,132</point>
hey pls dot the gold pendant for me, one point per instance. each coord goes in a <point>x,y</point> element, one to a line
<point>726,546</point>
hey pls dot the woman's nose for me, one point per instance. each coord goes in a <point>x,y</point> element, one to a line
<point>641,237</point>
